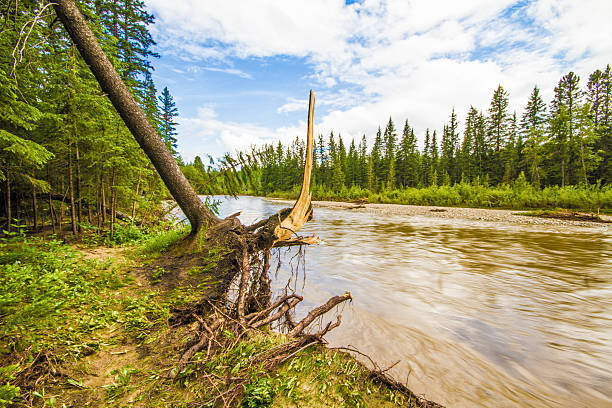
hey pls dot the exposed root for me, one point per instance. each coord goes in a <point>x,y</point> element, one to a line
<point>380,376</point>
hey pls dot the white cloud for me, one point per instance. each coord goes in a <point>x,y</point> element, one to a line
<point>230,71</point>
<point>205,133</point>
<point>409,59</point>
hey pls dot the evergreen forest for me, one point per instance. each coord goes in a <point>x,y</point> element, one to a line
<point>67,160</point>
<point>551,155</point>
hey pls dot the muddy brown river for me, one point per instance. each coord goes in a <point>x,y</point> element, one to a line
<point>480,314</point>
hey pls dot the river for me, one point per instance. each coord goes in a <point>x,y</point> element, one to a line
<point>480,314</point>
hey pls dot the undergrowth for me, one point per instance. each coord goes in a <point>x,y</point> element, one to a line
<point>517,195</point>
<point>83,331</point>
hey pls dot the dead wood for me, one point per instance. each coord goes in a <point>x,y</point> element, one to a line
<point>254,316</point>
<point>65,199</point>
<point>284,309</point>
<point>318,311</point>
<point>244,282</point>
<point>205,340</point>
<point>302,209</point>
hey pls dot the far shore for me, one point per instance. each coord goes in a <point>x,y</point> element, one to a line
<point>483,214</point>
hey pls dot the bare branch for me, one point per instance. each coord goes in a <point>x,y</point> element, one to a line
<point>318,311</point>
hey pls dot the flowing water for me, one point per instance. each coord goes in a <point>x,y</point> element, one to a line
<point>481,314</point>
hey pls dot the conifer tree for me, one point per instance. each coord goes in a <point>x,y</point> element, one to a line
<point>562,124</point>
<point>378,159</point>
<point>497,131</point>
<point>426,161</point>
<point>168,124</point>
<point>389,142</point>
<point>532,127</point>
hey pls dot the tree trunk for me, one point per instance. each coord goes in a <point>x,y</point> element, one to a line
<point>136,196</point>
<point>112,203</point>
<point>71,191</point>
<point>133,116</point>
<point>34,207</point>
<point>89,214</point>
<point>51,212</point>
<point>79,198</point>
<point>563,172</point>
<point>8,201</point>
<point>102,200</point>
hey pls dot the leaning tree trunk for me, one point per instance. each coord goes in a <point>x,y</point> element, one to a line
<point>133,116</point>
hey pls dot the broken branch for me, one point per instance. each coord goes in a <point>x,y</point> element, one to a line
<point>318,311</point>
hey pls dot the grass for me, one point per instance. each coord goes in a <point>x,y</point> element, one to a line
<point>518,195</point>
<point>77,330</point>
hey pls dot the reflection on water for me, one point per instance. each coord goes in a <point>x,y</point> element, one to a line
<point>480,313</point>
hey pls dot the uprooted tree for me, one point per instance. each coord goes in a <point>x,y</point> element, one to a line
<point>247,245</point>
<point>246,258</point>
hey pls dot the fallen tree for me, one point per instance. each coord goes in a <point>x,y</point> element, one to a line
<point>245,250</point>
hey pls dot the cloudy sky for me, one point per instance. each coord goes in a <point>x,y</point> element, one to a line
<point>240,71</point>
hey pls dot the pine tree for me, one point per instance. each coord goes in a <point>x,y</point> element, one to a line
<point>408,159</point>
<point>389,142</point>
<point>433,170</point>
<point>426,161</point>
<point>378,160</point>
<point>497,131</point>
<point>467,147</point>
<point>510,152</point>
<point>599,95</point>
<point>532,127</point>
<point>167,121</point>
<point>562,124</point>
<point>363,162</point>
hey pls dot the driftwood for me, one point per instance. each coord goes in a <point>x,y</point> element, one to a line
<point>302,209</point>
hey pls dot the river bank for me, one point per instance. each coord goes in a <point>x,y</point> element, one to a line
<point>481,214</point>
<point>482,307</point>
<point>92,324</point>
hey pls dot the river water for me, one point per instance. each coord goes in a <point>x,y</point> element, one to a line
<point>480,314</point>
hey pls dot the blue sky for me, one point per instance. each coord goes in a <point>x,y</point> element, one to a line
<point>240,72</point>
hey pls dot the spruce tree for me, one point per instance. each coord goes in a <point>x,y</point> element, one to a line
<point>563,120</point>
<point>168,112</point>
<point>378,159</point>
<point>497,131</point>
<point>532,128</point>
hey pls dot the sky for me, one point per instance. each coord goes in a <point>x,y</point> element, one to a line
<point>240,71</point>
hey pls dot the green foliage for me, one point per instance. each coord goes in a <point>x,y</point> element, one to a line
<point>259,393</point>
<point>40,282</point>
<point>158,242</point>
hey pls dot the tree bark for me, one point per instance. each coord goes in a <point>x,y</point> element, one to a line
<point>113,194</point>
<point>136,196</point>
<point>51,212</point>
<point>8,201</point>
<point>34,207</point>
<point>79,198</point>
<point>133,116</point>
<point>71,189</point>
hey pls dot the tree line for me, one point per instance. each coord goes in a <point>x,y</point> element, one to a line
<point>65,154</point>
<point>563,143</point>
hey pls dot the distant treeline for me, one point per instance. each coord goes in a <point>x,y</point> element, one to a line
<point>565,143</point>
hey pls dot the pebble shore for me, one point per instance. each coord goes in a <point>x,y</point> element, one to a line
<point>464,213</point>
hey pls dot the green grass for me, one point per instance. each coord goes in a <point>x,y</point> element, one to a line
<point>96,322</point>
<point>518,195</point>
<point>56,302</point>
<point>159,242</point>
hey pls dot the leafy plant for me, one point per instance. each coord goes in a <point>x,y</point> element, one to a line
<point>259,393</point>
